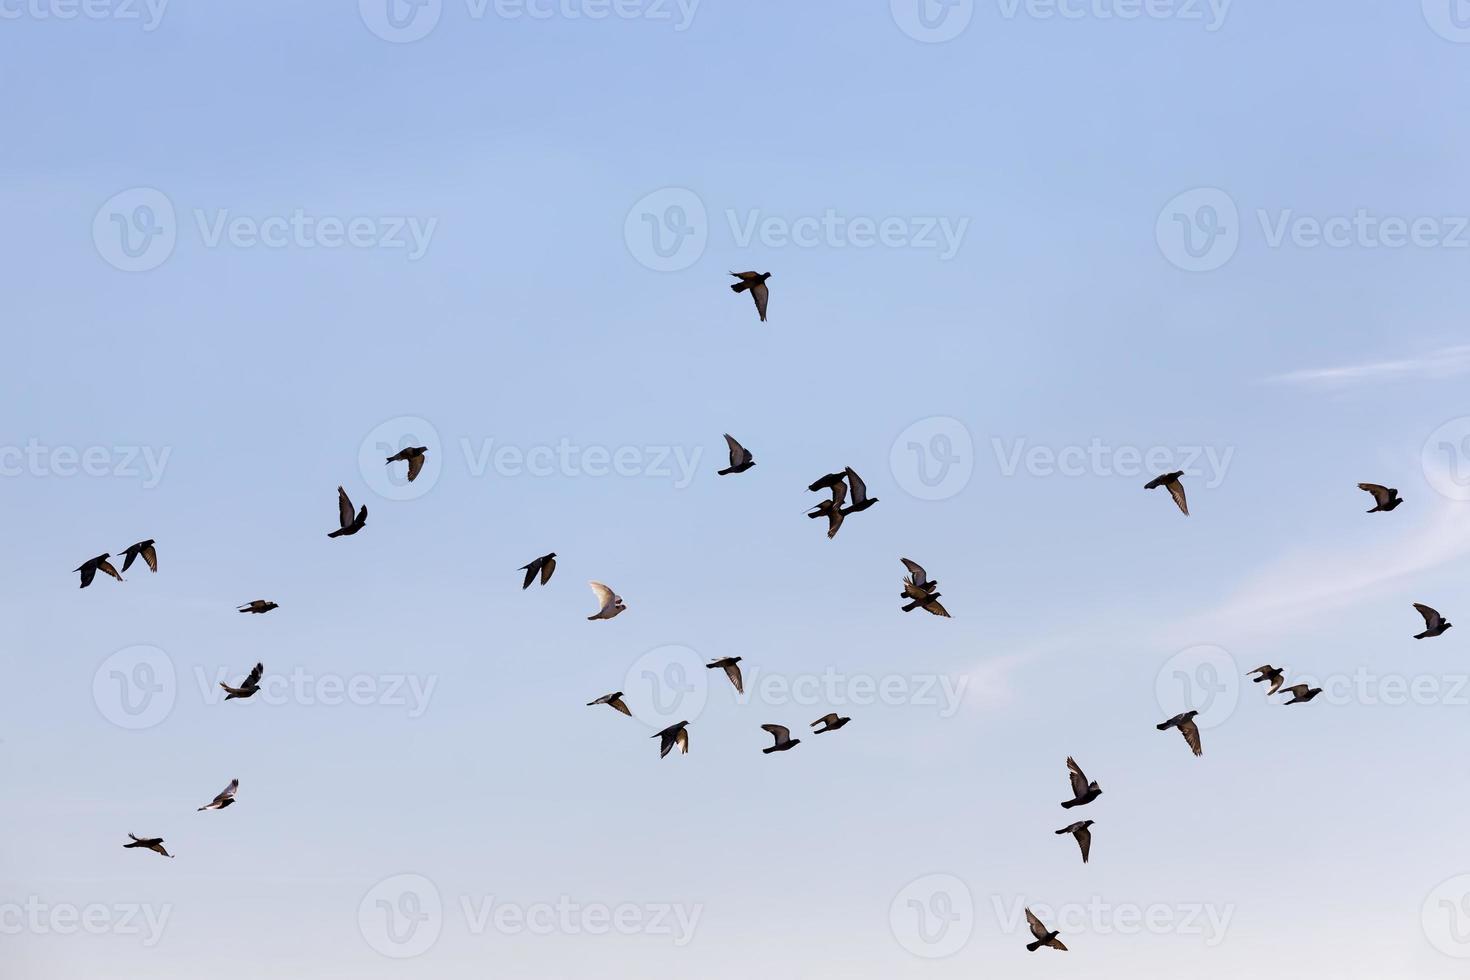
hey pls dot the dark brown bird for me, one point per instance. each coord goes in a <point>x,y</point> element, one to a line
<point>92,566</point>
<point>671,736</point>
<point>755,282</point>
<point>414,456</point>
<point>829,723</point>
<point>1384,498</point>
<point>783,738</point>
<point>225,798</point>
<point>1083,792</point>
<point>1084,836</point>
<point>1187,728</point>
<point>1044,936</point>
<point>1434,623</point>
<point>154,844</point>
<point>144,548</point>
<point>350,524</point>
<point>1266,672</point>
<point>919,588</point>
<point>827,482</point>
<point>1176,489</point>
<point>1301,693</point>
<point>731,666</point>
<point>859,491</point>
<point>832,509</point>
<point>258,606</point>
<point>613,700</point>
<point>545,565</point>
<point>740,458</point>
<point>247,687</point>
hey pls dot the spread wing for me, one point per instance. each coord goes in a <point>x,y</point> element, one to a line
<point>1381,495</point>
<point>826,720</point>
<point>1176,490</point>
<point>1190,731</point>
<point>738,454</point>
<point>935,608</point>
<point>530,571</point>
<point>89,572</point>
<point>1432,618</point>
<point>762,296</point>
<point>780,733</point>
<point>682,740</point>
<point>344,508</point>
<point>1079,779</point>
<point>547,568</point>
<point>617,702</point>
<point>605,596</point>
<point>1084,841</point>
<point>253,679</point>
<point>1296,690</point>
<point>415,463</point>
<point>835,517</point>
<point>106,566</point>
<point>151,557</point>
<point>1037,929</point>
<point>917,575</point>
<point>732,671</point>
<point>839,494</point>
<point>859,488</point>
<point>746,275</point>
<point>228,793</point>
<point>914,592</point>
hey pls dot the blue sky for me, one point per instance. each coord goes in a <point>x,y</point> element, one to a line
<point>1024,256</point>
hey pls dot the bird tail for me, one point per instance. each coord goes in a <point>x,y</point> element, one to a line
<point>337,533</point>
<point>1033,947</point>
<point>739,287</point>
<point>1163,726</point>
<point>1067,806</point>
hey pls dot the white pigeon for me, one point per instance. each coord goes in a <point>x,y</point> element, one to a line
<point>610,601</point>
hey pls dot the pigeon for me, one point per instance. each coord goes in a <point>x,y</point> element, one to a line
<point>919,588</point>
<point>151,843</point>
<point>92,566</point>
<point>732,671</point>
<point>671,736</point>
<point>859,490</point>
<point>1268,673</point>
<point>1044,936</point>
<point>1301,693</point>
<point>1187,728</point>
<point>740,458</point>
<point>827,482</point>
<point>258,606</point>
<point>247,687</point>
<point>1384,498</point>
<point>1083,792</point>
<point>918,577</point>
<point>783,738</point>
<point>611,604</point>
<point>144,548</point>
<point>1435,623</point>
<point>613,700</point>
<point>832,509</point>
<point>350,524</point>
<point>414,456</point>
<point>759,291</point>
<point>546,564</point>
<point>829,723</point>
<point>1084,836</point>
<point>225,798</point>
<point>1176,489</point>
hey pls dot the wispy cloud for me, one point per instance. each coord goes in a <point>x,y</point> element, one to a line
<point>1448,362</point>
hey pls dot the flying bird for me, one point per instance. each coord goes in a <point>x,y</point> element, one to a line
<point>671,736</point>
<point>832,509</point>
<point>1044,936</point>
<point>1301,693</point>
<point>827,482</point>
<point>1176,489</point>
<point>740,458</point>
<point>258,606</point>
<point>414,456</point>
<point>731,666</point>
<point>1083,792</point>
<point>755,282</point>
<point>92,566</point>
<point>610,604</point>
<point>919,588</point>
<point>1084,836</point>
<point>350,524</point>
<point>1187,728</point>
<point>144,548</point>
<point>225,798</point>
<point>613,700</point>
<point>829,723</point>
<point>1434,623</point>
<point>151,843</point>
<point>783,738</point>
<point>1384,498</point>
<point>247,687</point>
<point>859,490</point>
<point>545,565</point>
<point>1266,672</point>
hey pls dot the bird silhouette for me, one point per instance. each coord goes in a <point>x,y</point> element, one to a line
<point>920,589</point>
<point>609,603</point>
<point>1176,489</point>
<point>545,565</point>
<point>225,798</point>
<point>859,491</point>
<point>154,844</point>
<point>414,456</point>
<point>829,723</point>
<point>144,548</point>
<point>740,458</point>
<point>1266,672</point>
<point>783,738</point>
<point>1044,936</point>
<point>1384,498</point>
<point>1301,693</point>
<point>1187,728</point>
<point>755,283</point>
<point>731,666</point>
<point>247,687</point>
<point>258,606</point>
<point>1084,836</point>
<point>92,566</point>
<point>350,524</point>
<point>613,700</point>
<point>1083,792</point>
<point>671,736</point>
<point>1434,623</point>
<point>832,509</point>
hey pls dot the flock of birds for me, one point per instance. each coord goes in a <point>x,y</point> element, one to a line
<point>919,592</point>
